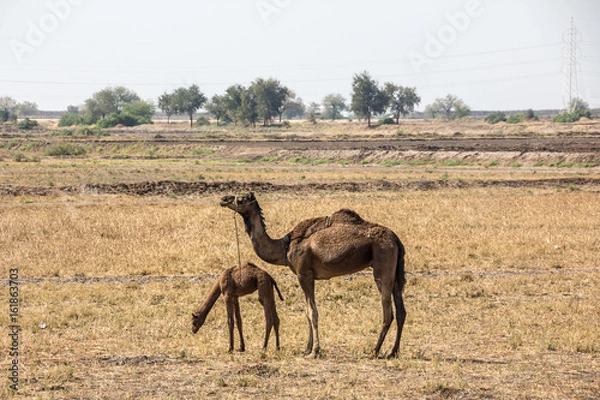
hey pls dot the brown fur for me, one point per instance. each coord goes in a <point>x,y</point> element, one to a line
<point>233,283</point>
<point>326,247</point>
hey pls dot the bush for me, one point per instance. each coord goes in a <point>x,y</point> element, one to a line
<point>125,119</point>
<point>62,132</point>
<point>27,124</point>
<point>91,131</point>
<point>386,121</point>
<point>70,120</point>
<point>496,117</point>
<point>515,119</point>
<point>529,115</point>
<point>64,149</point>
<point>202,121</point>
<point>140,108</point>
<point>5,115</point>
<point>572,116</point>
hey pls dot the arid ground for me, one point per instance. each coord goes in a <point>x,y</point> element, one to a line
<point>114,241</point>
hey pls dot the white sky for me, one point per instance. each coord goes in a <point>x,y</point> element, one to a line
<point>506,54</point>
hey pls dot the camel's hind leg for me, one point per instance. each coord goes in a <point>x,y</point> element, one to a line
<point>385,284</point>
<point>266,300</point>
<point>400,318</point>
<point>271,318</point>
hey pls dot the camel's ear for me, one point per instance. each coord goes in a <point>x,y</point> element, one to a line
<point>251,194</point>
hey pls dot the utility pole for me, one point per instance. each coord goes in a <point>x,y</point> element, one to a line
<point>571,37</point>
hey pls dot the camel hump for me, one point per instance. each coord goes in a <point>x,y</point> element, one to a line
<point>346,215</point>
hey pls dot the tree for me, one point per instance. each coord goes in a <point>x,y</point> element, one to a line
<point>26,108</point>
<point>188,101</point>
<point>141,108</point>
<point>577,104</point>
<point>333,105</point>
<point>270,97</point>
<point>8,106</point>
<point>284,97</point>
<point>166,102</point>
<point>367,98</point>
<point>450,107</point>
<point>233,101</point>
<point>402,100</point>
<point>112,100</point>
<point>248,111</point>
<point>217,107</point>
<point>91,111</point>
<point>294,108</point>
<point>313,111</point>
<point>72,110</point>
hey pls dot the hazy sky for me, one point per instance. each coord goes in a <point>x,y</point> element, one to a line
<point>494,54</point>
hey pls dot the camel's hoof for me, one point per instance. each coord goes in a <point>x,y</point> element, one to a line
<point>313,354</point>
<point>374,355</point>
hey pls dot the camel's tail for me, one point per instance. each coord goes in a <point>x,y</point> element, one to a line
<point>398,301</point>
<point>276,288</point>
<point>400,274</point>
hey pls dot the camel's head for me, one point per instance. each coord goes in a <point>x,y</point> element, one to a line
<point>197,321</point>
<point>241,204</point>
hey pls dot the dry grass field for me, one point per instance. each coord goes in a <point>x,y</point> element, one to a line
<point>503,292</point>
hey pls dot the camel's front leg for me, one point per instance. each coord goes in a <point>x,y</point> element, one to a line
<point>307,283</point>
<point>238,321</point>
<point>230,306</point>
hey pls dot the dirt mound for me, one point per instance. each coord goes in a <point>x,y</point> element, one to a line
<point>201,188</point>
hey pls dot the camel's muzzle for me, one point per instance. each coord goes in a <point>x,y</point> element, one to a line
<point>227,200</point>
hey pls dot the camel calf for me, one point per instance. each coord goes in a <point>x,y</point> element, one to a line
<point>233,283</point>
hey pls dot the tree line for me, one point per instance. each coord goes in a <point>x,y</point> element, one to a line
<point>263,101</point>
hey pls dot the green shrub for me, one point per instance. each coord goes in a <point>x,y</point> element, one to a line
<point>573,116</point>
<point>64,149</point>
<point>91,131</point>
<point>515,119</point>
<point>386,121</point>
<point>27,124</point>
<point>124,118</point>
<point>496,117</point>
<point>70,120</point>
<point>202,121</point>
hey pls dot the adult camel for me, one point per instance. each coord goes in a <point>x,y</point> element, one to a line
<point>326,247</point>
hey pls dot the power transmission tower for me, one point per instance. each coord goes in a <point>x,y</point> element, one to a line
<point>571,37</point>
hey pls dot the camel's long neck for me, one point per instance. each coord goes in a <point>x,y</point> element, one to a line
<point>210,300</point>
<point>272,251</point>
